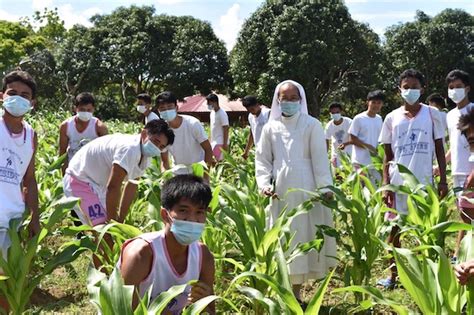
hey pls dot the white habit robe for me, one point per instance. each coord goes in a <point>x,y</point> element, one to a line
<point>292,153</point>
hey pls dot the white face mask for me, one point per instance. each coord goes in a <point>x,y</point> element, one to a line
<point>84,116</point>
<point>411,95</point>
<point>457,95</point>
<point>141,108</point>
<point>336,116</point>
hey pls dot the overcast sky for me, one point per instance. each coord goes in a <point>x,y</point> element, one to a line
<point>227,16</point>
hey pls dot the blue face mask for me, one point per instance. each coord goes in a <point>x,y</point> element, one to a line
<point>186,232</point>
<point>290,108</point>
<point>410,95</point>
<point>168,115</point>
<point>149,149</point>
<point>16,105</point>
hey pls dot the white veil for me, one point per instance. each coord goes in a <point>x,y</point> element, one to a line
<point>275,110</point>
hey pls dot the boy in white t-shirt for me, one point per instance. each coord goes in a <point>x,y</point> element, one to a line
<point>78,130</point>
<point>462,168</point>
<point>144,107</point>
<point>410,135</point>
<point>174,255</point>
<point>219,123</point>
<point>337,133</point>
<point>258,117</point>
<point>190,139</point>
<point>96,173</point>
<point>364,133</point>
<point>18,143</point>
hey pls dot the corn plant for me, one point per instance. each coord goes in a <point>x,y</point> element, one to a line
<point>112,296</point>
<point>22,269</point>
<point>428,215</point>
<point>360,217</point>
<point>466,254</point>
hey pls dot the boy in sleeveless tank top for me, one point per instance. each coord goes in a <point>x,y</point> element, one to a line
<point>173,256</point>
<point>78,130</point>
<point>410,135</point>
<point>18,142</point>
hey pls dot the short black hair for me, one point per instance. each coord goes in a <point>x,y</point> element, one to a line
<point>437,99</point>
<point>458,75</point>
<point>377,95</point>
<point>144,97</point>
<point>189,187</point>
<point>20,76</point>
<point>213,98</point>
<point>159,126</point>
<point>165,98</point>
<point>84,98</point>
<point>412,73</point>
<point>465,121</point>
<point>249,101</point>
<point>335,105</point>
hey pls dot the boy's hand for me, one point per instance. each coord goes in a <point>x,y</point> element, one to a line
<point>199,290</point>
<point>34,226</point>
<point>389,198</point>
<point>268,191</point>
<point>442,190</point>
<point>342,146</point>
<point>469,184</point>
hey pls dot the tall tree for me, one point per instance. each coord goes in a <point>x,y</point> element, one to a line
<point>433,45</point>
<point>17,41</point>
<point>315,43</point>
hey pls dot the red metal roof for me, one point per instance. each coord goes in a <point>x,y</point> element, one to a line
<point>198,103</point>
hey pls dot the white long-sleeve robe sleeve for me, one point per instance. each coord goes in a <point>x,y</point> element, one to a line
<point>264,159</point>
<point>319,159</point>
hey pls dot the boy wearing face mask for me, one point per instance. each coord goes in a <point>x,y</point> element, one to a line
<point>96,173</point>
<point>18,143</point>
<point>459,154</point>
<point>144,107</point>
<point>219,123</point>
<point>190,142</point>
<point>337,133</point>
<point>174,255</point>
<point>258,117</point>
<point>364,133</point>
<point>410,135</point>
<point>81,128</point>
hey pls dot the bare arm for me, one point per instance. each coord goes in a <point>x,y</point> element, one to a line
<point>249,145</point>
<point>226,137</point>
<point>165,161</point>
<point>101,129</point>
<point>357,142</point>
<point>128,196</point>
<point>31,191</point>
<point>206,146</point>
<point>136,265</point>
<point>388,157</point>
<point>205,286</point>
<point>114,191</point>
<point>63,144</point>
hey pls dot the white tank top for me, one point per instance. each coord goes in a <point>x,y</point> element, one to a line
<point>16,152</point>
<point>78,139</point>
<point>163,274</point>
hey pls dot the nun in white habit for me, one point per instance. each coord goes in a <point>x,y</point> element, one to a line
<point>292,153</point>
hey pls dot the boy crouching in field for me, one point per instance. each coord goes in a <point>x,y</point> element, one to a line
<point>174,255</point>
